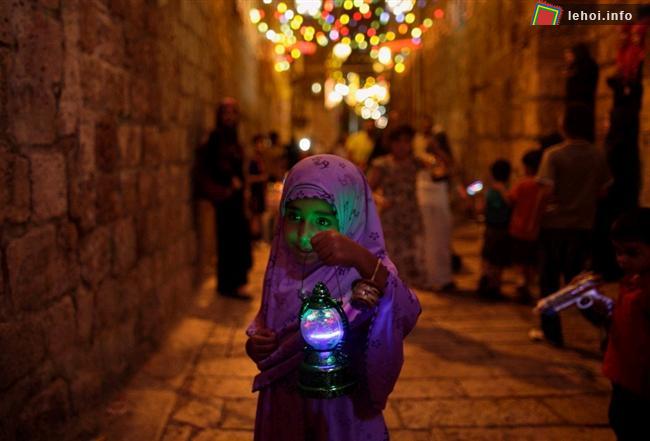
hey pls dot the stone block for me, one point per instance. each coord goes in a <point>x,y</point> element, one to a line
<point>114,345</point>
<point>115,93</point>
<point>177,433</point>
<point>85,303</point>
<point>124,246</point>
<point>140,52</point>
<point>220,387</point>
<point>188,79</point>
<point>93,77</point>
<point>95,27</point>
<point>15,188</point>
<point>38,270</point>
<point>85,390</point>
<point>129,188</point>
<point>50,4</point>
<point>149,321</point>
<point>147,189</point>
<point>152,148</point>
<point>95,256</point>
<point>144,271</point>
<point>33,110</point>
<point>107,305</point>
<point>59,327</point>
<point>6,34</point>
<point>109,198</point>
<point>130,295</point>
<point>475,412</point>
<point>107,148</point>
<point>203,414</point>
<point>45,412</point>
<point>130,142</point>
<point>239,414</point>
<point>148,411</point>
<point>582,409</point>
<point>83,196</point>
<point>35,75</point>
<point>71,95</point>
<point>49,181</point>
<point>22,349</point>
<point>85,162</point>
<point>39,39</point>
<point>143,98</point>
<point>15,397</point>
<point>148,230</point>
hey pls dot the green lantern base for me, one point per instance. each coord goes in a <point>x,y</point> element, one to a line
<point>325,381</point>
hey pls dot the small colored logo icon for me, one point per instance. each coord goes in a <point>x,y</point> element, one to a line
<point>546,14</point>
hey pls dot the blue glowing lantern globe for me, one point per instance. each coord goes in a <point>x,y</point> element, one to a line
<point>325,371</point>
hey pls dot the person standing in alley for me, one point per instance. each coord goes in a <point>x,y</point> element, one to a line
<point>394,175</point>
<point>526,200</point>
<point>361,144</point>
<point>574,174</point>
<point>257,179</point>
<point>275,158</point>
<point>581,83</point>
<point>220,178</point>
<point>432,191</point>
<point>495,253</point>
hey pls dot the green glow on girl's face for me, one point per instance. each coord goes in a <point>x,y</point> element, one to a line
<point>303,219</point>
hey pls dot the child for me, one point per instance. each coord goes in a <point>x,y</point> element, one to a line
<point>394,175</point>
<point>627,360</point>
<point>526,199</point>
<point>495,254</point>
<point>329,231</point>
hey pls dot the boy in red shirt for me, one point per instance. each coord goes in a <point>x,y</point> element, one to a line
<point>526,202</point>
<point>627,360</point>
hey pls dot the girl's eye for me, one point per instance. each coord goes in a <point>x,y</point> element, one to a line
<point>324,222</point>
<point>294,217</point>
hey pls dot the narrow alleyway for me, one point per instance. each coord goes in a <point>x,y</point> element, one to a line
<point>471,373</point>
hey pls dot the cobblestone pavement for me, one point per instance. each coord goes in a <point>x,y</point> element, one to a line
<point>470,373</point>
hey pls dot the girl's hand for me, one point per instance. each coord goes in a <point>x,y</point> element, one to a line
<point>334,248</point>
<point>261,344</point>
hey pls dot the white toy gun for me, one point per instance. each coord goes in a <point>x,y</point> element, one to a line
<point>583,293</point>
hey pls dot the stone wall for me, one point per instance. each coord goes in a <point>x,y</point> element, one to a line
<point>495,83</point>
<point>102,103</point>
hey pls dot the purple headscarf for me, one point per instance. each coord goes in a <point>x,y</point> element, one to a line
<point>343,185</point>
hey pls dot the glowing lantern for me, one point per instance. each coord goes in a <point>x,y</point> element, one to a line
<point>324,372</point>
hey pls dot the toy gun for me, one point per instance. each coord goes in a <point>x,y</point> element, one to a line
<point>583,293</point>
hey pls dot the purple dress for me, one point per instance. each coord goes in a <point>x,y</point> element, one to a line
<point>375,342</point>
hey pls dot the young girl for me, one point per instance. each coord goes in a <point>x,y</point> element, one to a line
<point>394,175</point>
<point>328,232</point>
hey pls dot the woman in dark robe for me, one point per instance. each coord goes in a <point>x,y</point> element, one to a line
<point>220,179</point>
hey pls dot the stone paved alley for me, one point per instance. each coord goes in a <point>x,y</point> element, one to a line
<point>471,373</point>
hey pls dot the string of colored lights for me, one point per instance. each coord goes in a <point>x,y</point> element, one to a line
<point>384,27</point>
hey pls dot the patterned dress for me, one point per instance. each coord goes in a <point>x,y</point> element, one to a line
<point>401,218</point>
